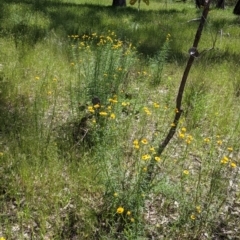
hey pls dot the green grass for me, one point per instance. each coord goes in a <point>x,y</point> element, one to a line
<point>68,166</point>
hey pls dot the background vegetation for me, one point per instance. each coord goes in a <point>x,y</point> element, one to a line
<point>87,93</point>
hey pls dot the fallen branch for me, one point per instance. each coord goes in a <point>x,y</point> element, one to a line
<point>193,52</point>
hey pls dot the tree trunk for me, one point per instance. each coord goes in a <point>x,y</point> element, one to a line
<point>220,4</point>
<point>119,3</point>
<point>199,3</point>
<point>236,10</point>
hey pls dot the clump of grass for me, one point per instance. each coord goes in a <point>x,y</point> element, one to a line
<point>102,64</point>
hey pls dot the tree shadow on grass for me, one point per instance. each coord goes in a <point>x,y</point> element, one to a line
<point>79,19</point>
<point>70,18</point>
<point>128,23</point>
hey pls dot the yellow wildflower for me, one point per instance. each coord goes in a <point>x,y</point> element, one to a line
<point>128,213</point>
<point>103,113</point>
<point>144,141</point>
<point>146,157</point>
<point>193,217</point>
<point>90,109</point>
<point>156,105</point>
<point>1,154</point>
<point>146,110</point>
<point>120,210</point>
<point>233,165</point>
<point>230,149</point>
<point>158,159</point>
<point>206,140</point>
<point>183,129</point>
<point>152,149</point>
<point>224,160</point>
<point>186,172</point>
<point>189,139</point>
<point>136,146</point>
<point>145,169</point>
<point>181,135</point>
<point>132,220</point>
<point>97,105</point>
<point>111,100</point>
<point>115,194</point>
<point>198,209</point>
<point>124,104</point>
<point>112,116</point>
<point>135,142</point>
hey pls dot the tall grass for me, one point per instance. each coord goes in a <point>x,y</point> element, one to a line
<point>87,93</point>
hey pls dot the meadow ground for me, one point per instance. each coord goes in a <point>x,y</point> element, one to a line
<point>87,95</point>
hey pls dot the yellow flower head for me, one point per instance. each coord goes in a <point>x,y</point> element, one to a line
<point>115,194</point>
<point>111,100</point>
<point>144,141</point>
<point>124,104</point>
<point>146,110</point>
<point>189,139</point>
<point>145,169</point>
<point>146,157</point>
<point>198,209</point>
<point>135,142</point>
<point>90,109</point>
<point>158,159</point>
<point>183,129</point>
<point>233,165</point>
<point>186,172</point>
<point>181,135</point>
<point>96,106</point>
<point>128,213</point>
<point>224,160</point>
<point>206,140</point>
<point>120,210</point>
<point>156,105</point>
<point>103,113</point>
<point>112,116</point>
<point>230,149</point>
<point>193,217</point>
